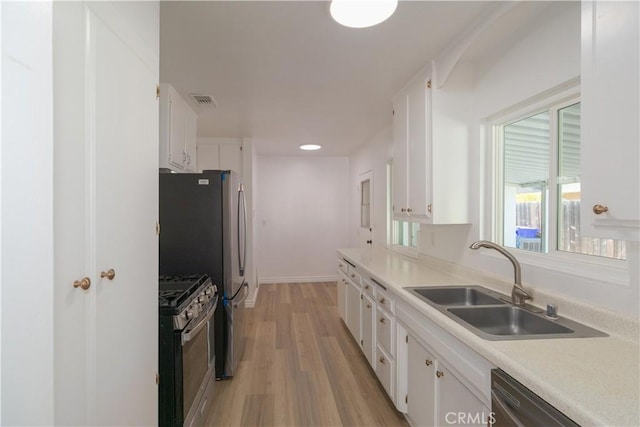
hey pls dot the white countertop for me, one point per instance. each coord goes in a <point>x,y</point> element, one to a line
<point>594,381</point>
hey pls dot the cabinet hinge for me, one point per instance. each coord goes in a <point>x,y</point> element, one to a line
<point>361,296</point>
<point>157,228</point>
<point>429,83</point>
<point>157,91</point>
<point>406,339</point>
<point>157,379</point>
<point>393,112</point>
<point>406,399</point>
<point>362,342</point>
<point>241,148</point>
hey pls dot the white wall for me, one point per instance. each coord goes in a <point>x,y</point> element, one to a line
<point>26,266</point>
<point>545,57</point>
<point>302,215</point>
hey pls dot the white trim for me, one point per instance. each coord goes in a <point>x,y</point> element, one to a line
<point>299,279</point>
<point>251,302</point>
<point>606,270</point>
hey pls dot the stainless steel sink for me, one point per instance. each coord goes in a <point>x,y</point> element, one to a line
<point>490,315</point>
<point>510,322</point>
<point>456,296</point>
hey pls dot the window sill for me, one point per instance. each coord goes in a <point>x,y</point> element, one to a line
<point>611,271</point>
<point>411,252</point>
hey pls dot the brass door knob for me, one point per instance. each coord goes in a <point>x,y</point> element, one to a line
<point>109,274</point>
<point>84,283</point>
<point>600,209</point>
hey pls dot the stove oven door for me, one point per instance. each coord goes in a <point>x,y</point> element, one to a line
<point>198,365</point>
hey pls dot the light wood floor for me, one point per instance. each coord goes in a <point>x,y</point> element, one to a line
<point>301,367</point>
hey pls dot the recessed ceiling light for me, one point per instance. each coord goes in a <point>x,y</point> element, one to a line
<point>310,147</point>
<point>362,13</point>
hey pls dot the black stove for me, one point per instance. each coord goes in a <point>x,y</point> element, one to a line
<point>177,290</point>
<point>187,304</point>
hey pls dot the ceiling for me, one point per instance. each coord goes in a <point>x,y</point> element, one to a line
<point>285,74</point>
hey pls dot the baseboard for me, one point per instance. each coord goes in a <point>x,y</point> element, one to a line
<point>251,302</point>
<point>304,279</point>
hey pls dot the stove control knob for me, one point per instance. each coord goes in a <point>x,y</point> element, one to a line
<point>208,291</point>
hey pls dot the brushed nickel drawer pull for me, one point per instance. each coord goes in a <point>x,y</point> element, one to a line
<point>439,374</point>
<point>428,362</point>
<point>382,360</point>
<point>382,320</point>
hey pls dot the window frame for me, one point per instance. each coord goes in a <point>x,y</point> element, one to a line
<point>609,270</point>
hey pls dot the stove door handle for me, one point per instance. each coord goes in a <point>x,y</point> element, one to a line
<point>190,333</point>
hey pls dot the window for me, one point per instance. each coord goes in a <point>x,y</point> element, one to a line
<point>538,183</point>
<point>365,203</point>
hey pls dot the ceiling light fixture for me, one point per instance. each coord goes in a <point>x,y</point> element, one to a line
<point>362,13</point>
<point>310,147</point>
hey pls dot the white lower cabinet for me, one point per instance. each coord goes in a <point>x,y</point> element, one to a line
<point>353,309</point>
<point>429,375</point>
<point>421,384</point>
<point>367,342</point>
<point>435,396</point>
<point>386,371</point>
<point>342,296</point>
<point>456,405</point>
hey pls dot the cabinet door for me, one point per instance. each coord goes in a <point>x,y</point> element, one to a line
<point>190,131</point>
<point>106,373</point>
<point>342,297</point>
<point>368,325</point>
<point>231,157</point>
<point>177,131</point>
<point>419,165</point>
<point>400,160</point>
<point>456,404</point>
<point>353,309</point>
<point>421,387</point>
<point>609,124</point>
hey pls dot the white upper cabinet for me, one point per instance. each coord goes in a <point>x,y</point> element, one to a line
<point>177,131</point>
<point>220,153</point>
<point>430,153</point>
<point>610,128</point>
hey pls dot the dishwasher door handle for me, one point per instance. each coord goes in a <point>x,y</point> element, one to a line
<point>504,408</point>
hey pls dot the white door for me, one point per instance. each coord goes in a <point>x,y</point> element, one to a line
<point>365,200</point>
<point>106,202</point>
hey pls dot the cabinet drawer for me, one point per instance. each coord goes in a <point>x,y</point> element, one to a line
<point>355,276</point>
<point>368,288</point>
<point>343,266</point>
<point>385,370</point>
<point>385,326</point>
<point>384,301</point>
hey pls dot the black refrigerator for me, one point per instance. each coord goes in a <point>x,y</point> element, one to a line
<point>203,230</point>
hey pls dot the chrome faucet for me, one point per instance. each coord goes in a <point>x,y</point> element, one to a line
<point>518,294</point>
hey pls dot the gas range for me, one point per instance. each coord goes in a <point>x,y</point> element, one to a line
<point>184,297</point>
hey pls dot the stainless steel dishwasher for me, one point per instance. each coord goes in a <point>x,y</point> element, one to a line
<point>514,405</point>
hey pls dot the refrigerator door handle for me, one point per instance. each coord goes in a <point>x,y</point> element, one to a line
<point>242,229</point>
<point>244,297</point>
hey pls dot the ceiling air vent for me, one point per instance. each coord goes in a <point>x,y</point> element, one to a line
<point>204,100</point>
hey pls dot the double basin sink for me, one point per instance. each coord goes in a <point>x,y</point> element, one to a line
<point>490,315</point>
